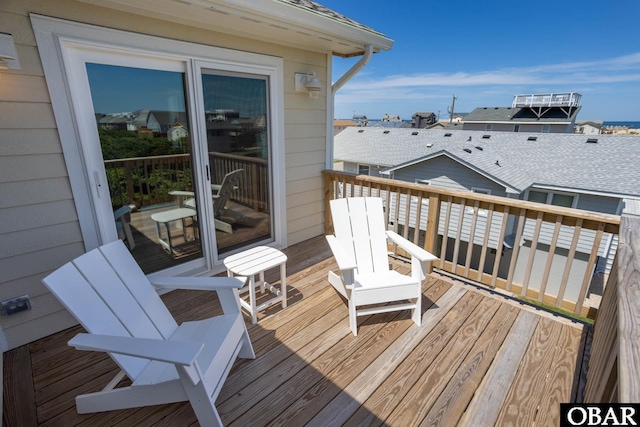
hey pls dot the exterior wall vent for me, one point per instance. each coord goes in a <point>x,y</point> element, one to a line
<point>532,138</point>
<point>447,134</point>
<point>468,150</point>
<point>592,140</point>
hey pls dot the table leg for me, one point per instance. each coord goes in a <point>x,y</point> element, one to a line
<point>252,299</point>
<point>262,282</point>
<point>283,284</point>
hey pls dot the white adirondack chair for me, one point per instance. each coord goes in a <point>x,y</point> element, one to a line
<point>360,249</point>
<point>117,304</point>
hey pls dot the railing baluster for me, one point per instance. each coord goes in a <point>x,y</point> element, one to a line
<point>472,235</point>
<point>496,262</point>
<point>586,281</point>
<point>569,262</point>
<point>550,256</point>
<point>534,246</point>
<point>445,233</point>
<point>416,229</point>
<point>485,242</point>
<point>515,249</point>
<point>456,245</point>
<point>407,213</point>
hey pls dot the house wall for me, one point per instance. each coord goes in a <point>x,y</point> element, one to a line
<point>445,172</point>
<point>40,229</point>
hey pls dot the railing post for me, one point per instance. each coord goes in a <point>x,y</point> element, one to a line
<point>328,195</point>
<point>431,235</point>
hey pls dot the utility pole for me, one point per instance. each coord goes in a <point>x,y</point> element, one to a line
<point>451,108</point>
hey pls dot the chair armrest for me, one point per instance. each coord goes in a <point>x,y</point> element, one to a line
<point>411,248</point>
<point>199,283</point>
<point>180,353</point>
<point>345,261</point>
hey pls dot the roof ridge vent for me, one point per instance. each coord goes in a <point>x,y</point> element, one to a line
<point>360,130</point>
<point>386,131</point>
<point>486,136</point>
<point>592,140</point>
<point>447,134</point>
<point>414,133</point>
<point>532,138</point>
<point>479,148</point>
<point>468,150</point>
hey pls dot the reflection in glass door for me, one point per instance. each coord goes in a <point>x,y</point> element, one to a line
<point>238,142</point>
<point>143,126</point>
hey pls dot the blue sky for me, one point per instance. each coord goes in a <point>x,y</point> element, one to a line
<point>485,52</point>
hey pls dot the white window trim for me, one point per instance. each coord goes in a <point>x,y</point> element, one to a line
<point>481,190</point>
<point>550,194</point>
<point>55,37</point>
<point>363,165</point>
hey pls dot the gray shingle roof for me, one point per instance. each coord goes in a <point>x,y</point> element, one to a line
<point>321,10</point>
<point>558,160</point>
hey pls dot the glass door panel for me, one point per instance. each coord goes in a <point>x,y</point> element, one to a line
<point>238,142</point>
<point>143,126</point>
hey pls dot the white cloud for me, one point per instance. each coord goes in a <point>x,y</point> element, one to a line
<point>614,70</point>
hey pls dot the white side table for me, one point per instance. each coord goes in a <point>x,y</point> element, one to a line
<point>254,262</point>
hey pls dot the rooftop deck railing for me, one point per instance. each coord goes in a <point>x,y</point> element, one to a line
<point>149,180</point>
<point>542,252</point>
<point>568,99</point>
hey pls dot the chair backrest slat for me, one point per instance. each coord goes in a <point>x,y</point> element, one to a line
<point>88,307</point>
<point>144,293</point>
<point>359,226</point>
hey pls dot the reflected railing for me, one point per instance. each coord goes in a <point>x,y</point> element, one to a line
<point>147,181</point>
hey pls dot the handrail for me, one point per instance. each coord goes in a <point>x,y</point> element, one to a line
<point>544,252</point>
<point>614,366</point>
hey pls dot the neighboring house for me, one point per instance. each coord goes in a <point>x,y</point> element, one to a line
<point>588,127</point>
<point>193,57</point>
<point>544,113</point>
<point>340,125</point>
<point>423,120</point>
<point>595,174</point>
<point>360,120</point>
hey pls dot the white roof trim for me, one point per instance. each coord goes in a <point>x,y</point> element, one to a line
<point>266,20</point>
<point>589,192</point>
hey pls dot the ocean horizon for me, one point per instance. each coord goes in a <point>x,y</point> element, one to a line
<point>629,124</point>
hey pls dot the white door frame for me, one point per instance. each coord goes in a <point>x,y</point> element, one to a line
<point>65,45</point>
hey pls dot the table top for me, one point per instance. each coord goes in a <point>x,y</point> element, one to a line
<point>173,215</point>
<point>254,260</point>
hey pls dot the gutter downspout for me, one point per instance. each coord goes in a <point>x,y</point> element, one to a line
<point>368,53</point>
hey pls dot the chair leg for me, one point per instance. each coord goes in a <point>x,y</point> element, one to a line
<point>353,317</point>
<point>203,406</point>
<point>416,314</point>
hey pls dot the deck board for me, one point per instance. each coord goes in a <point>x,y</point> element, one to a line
<point>477,359</point>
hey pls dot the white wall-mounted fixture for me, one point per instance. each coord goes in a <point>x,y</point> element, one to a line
<point>8,54</point>
<point>308,83</point>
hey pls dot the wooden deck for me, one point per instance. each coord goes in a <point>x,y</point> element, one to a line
<point>479,359</point>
